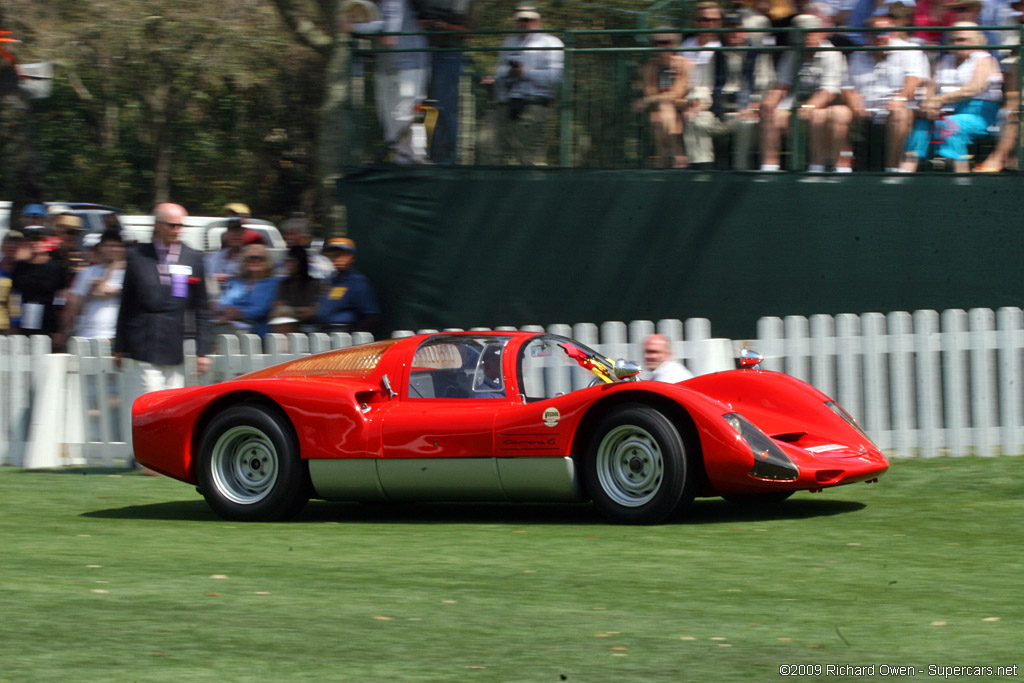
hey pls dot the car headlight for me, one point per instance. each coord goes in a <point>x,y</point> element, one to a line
<point>769,460</point>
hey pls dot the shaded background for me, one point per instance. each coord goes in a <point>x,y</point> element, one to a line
<point>489,247</point>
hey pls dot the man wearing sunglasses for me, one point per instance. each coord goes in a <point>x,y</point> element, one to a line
<point>164,284</point>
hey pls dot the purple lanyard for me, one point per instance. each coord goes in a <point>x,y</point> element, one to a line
<point>170,258</point>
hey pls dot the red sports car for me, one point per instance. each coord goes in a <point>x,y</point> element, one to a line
<point>496,416</point>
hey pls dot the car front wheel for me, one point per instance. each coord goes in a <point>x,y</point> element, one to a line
<point>636,469</point>
<point>249,466</point>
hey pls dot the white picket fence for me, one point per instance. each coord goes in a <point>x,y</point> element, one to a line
<point>921,384</point>
<point>67,408</point>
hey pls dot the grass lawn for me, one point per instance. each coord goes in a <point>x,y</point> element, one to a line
<point>112,576</point>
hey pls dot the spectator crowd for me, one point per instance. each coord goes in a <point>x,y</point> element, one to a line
<point>892,91</point>
<point>61,280</point>
<point>850,84</point>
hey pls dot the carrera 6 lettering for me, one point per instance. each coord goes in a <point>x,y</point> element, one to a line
<point>530,442</point>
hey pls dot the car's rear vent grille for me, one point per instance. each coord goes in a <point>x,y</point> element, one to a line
<point>356,360</point>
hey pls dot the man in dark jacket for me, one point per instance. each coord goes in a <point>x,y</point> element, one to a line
<point>163,281</point>
<point>347,303</point>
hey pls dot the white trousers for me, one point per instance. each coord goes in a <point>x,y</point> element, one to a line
<point>152,377</point>
<point>397,94</point>
<point>145,377</point>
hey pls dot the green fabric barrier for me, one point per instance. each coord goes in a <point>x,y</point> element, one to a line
<point>487,247</point>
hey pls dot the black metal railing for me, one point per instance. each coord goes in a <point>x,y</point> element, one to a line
<point>594,124</point>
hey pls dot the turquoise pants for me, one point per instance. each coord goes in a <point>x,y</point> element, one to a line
<point>950,135</point>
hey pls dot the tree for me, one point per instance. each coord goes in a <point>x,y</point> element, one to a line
<point>202,102</point>
<point>315,24</point>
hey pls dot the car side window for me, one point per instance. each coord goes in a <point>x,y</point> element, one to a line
<point>450,366</point>
<point>546,370</point>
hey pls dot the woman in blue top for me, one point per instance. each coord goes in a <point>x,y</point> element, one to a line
<point>248,297</point>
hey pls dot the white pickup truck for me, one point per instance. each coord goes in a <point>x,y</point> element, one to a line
<point>203,233</point>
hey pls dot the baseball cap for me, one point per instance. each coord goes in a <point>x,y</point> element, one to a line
<point>66,220</point>
<point>526,10</point>
<point>340,243</point>
<point>34,210</point>
<point>238,208</point>
<point>807,22</point>
<point>252,237</point>
<point>359,11</point>
<point>50,243</point>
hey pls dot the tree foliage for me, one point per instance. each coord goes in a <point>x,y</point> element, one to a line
<point>198,102</point>
<point>209,102</point>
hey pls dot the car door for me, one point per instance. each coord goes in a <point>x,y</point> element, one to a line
<point>438,440</point>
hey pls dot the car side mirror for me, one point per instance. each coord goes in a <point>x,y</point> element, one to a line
<point>750,359</point>
<point>625,369</point>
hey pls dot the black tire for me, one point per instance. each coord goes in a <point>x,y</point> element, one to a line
<point>249,466</point>
<point>636,469</point>
<point>758,500</point>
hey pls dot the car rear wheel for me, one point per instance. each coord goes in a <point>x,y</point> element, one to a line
<point>636,469</point>
<point>249,466</point>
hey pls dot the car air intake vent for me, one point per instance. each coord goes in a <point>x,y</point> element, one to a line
<point>791,437</point>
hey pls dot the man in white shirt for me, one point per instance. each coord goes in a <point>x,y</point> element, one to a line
<point>661,367</point>
<point>95,294</point>
<point>817,89</point>
<point>526,85</point>
<point>882,87</point>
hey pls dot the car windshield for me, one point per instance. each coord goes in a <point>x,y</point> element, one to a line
<point>550,366</point>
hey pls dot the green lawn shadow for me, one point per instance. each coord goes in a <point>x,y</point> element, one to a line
<point>704,511</point>
<point>84,470</point>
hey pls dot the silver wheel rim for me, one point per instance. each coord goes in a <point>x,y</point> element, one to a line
<point>244,465</point>
<point>630,466</point>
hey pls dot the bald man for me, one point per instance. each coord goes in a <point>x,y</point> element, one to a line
<point>163,280</point>
<point>661,367</point>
